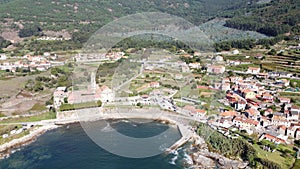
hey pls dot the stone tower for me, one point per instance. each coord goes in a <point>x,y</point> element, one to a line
<point>93,81</point>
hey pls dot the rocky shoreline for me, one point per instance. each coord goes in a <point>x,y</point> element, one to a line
<point>204,159</point>
<point>9,148</point>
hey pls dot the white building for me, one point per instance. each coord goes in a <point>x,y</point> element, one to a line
<point>3,56</point>
<point>59,95</point>
<point>253,70</point>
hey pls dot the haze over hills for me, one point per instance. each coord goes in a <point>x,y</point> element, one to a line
<point>79,18</point>
<point>89,15</point>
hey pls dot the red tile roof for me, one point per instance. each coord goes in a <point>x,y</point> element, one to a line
<point>248,121</point>
<point>228,113</point>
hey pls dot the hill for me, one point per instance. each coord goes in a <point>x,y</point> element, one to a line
<point>274,18</point>
<point>88,16</point>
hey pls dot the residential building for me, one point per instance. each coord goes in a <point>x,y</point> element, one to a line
<point>154,84</point>
<point>59,95</point>
<point>267,97</point>
<point>226,86</point>
<point>248,94</point>
<point>245,123</point>
<point>3,56</point>
<point>216,69</point>
<point>272,138</point>
<point>284,100</point>
<point>253,70</point>
<point>194,65</point>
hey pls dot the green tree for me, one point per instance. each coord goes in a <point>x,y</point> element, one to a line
<point>99,103</point>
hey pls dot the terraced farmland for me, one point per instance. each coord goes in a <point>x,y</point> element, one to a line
<point>290,63</point>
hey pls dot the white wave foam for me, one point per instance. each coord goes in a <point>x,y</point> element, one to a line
<point>173,160</point>
<point>188,159</point>
<point>107,128</point>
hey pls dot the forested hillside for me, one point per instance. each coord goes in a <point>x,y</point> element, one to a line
<point>274,18</point>
<point>90,15</point>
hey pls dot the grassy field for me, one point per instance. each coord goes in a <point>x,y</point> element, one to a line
<point>38,107</point>
<point>277,157</point>
<point>39,117</point>
<point>295,97</point>
<point>242,67</point>
<point>66,107</point>
<point>297,164</point>
<point>8,139</point>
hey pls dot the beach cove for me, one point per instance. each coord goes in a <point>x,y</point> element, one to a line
<point>185,131</point>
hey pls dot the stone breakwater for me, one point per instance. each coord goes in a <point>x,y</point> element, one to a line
<point>8,148</point>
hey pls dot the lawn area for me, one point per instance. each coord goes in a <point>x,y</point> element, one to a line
<point>39,117</point>
<point>285,162</point>
<point>8,139</point>
<point>242,67</point>
<point>295,97</point>
<point>297,164</point>
<point>66,107</point>
<point>1,114</point>
<point>38,107</point>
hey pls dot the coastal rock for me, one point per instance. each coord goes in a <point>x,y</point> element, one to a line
<point>204,162</point>
<point>222,161</point>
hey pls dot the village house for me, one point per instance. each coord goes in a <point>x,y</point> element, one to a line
<point>236,79</point>
<point>282,130</point>
<point>145,99</point>
<point>59,95</point>
<point>284,100</point>
<point>264,121</point>
<point>154,84</point>
<point>267,97</point>
<point>228,114</point>
<point>219,58</point>
<point>245,124</point>
<point>280,120</point>
<point>199,113</point>
<point>259,56</point>
<point>193,111</point>
<point>235,62</point>
<point>297,134</point>
<point>263,75</point>
<point>217,85</point>
<point>3,56</point>
<point>293,116</point>
<point>194,65</point>
<point>216,69</point>
<point>291,131</point>
<point>268,112</point>
<point>240,105</point>
<point>225,80</point>
<point>185,68</point>
<point>273,138</point>
<point>232,98</point>
<point>282,82</point>
<point>295,108</point>
<point>252,113</point>
<point>235,52</point>
<point>253,70</point>
<point>248,94</point>
<point>224,122</point>
<point>226,86</point>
